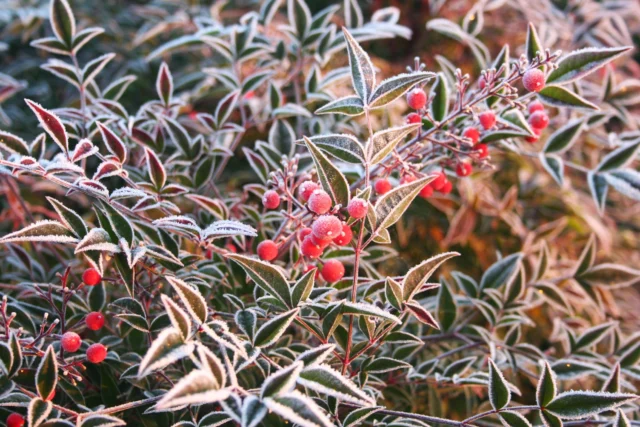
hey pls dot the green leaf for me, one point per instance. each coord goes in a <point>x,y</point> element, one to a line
<point>561,97</point>
<point>575,405</point>
<point>499,135</point>
<point>581,63</point>
<point>331,178</point>
<point>118,225</point>
<point>514,419</point>
<point>358,416</point>
<point>349,105</point>
<point>562,139</point>
<point>625,181</point>
<point>190,297</point>
<point>620,157</point>
<point>271,331</point>
<point>447,309</point>
<point>63,22</point>
<point>298,409</point>
<point>197,388</point>
<point>621,420</point>
<point>47,374</point>
<point>253,411</point>
<point>315,356</point>
<point>168,347</point>
<point>363,75</point>
<point>102,420</point>
<point>393,293</point>
<point>179,319</point>
<point>341,146</point>
<point>500,272</point>
<point>303,287</point>
<point>38,411</point>
<point>587,257</point>
<point>16,355</point>
<point>13,144</point>
<point>610,275</point>
<point>390,207</point>
<point>547,387</point>
<point>156,169</point>
<point>385,364</point>
<point>299,17</point>
<point>326,380</point>
<point>94,67</point>
<point>499,393</point>
<point>612,384</point>
<point>533,45</point>
<point>439,106</point>
<point>459,367</point>
<point>383,142</point>
<point>366,309</point>
<point>593,335</point>
<point>282,381</point>
<point>392,88</point>
<point>550,420</point>
<point>266,276</point>
<point>553,164</point>
<point>419,275</point>
<point>598,187</point>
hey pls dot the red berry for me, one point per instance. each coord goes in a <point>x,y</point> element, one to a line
<point>533,80</point>
<point>91,277</point>
<point>309,248</point>
<point>323,243</point>
<point>463,169</point>
<point>473,134</point>
<point>439,181</point>
<point>426,192</point>
<point>306,189</point>
<point>15,420</point>
<point>345,236</point>
<point>271,199</point>
<point>382,186</point>
<point>482,82</point>
<point>532,139</point>
<point>417,99</point>
<point>326,227</point>
<point>305,232</point>
<point>407,179</point>
<point>487,119</point>
<point>358,208</point>
<point>310,267</point>
<point>95,320</point>
<point>267,250</point>
<point>319,202</point>
<point>535,106</point>
<point>482,150</point>
<point>539,120</point>
<point>332,270</point>
<point>96,353</point>
<point>447,187</point>
<point>413,118</point>
<point>70,342</point>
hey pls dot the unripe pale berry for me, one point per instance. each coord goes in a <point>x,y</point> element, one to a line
<point>358,208</point>
<point>271,199</point>
<point>413,118</point>
<point>473,134</point>
<point>539,120</point>
<point>70,342</point>
<point>426,192</point>
<point>439,181</point>
<point>463,169</point>
<point>533,80</point>
<point>407,179</point>
<point>447,187</point>
<point>382,186</point>
<point>309,248</point>
<point>95,320</point>
<point>96,353</point>
<point>306,189</point>
<point>319,202</point>
<point>267,250</point>
<point>482,82</point>
<point>332,270</point>
<point>15,420</point>
<point>535,106</point>
<point>482,150</point>
<point>417,99</point>
<point>326,227</point>
<point>487,119</point>
<point>345,236</point>
<point>91,277</point>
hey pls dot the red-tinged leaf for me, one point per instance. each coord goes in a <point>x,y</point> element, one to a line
<point>142,137</point>
<point>156,169</point>
<point>51,124</point>
<point>84,149</point>
<point>164,84</point>
<point>107,169</point>
<point>13,144</point>
<point>113,143</point>
<point>422,314</point>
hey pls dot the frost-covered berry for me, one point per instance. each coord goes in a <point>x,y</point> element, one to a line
<point>382,186</point>
<point>533,139</point>
<point>439,181</point>
<point>464,169</point>
<point>358,208</point>
<point>426,192</point>
<point>345,236</point>
<point>323,243</point>
<point>413,118</point>
<point>447,187</point>
<point>309,248</point>
<point>319,202</point>
<point>96,353</point>
<point>306,189</point>
<point>70,342</point>
<point>332,270</point>
<point>472,133</point>
<point>487,119</point>
<point>95,320</point>
<point>326,227</point>
<point>304,232</point>
<point>271,199</point>
<point>417,99</point>
<point>267,250</point>
<point>533,80</point>
<point>535,106</point>
<point>539,120</point>
<point>91,277</point>
<point>15,420</point>
<point>482,150</point>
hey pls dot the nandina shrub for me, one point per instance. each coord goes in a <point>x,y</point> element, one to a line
<point>166,261</point>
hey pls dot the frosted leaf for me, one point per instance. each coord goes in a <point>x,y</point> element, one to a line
<point>326,380</point>
<point>298,409</point>
<point>42,231</point>
<point>197,388</point>
<point>97,239</point>
<point>167,348</point>
<point>227,228</point>
<point>126,192</point>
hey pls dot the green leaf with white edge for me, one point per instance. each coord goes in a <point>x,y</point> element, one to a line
<point>499,393</point>
<point>393,293</point>
<point>392,88</point>
<point>299,17</point>
<point>167,348</point>
<point>225,107</point>
<point>247,321</point>
<point>101,420</point>
<point>500,272</point>
<point>358,416</point>
<point>301,290</point>
<point>157,173</point>
<point>363,76</point>
<point>553,164</point>
<point>253,411</point>
<point>326,380</point>
<point>85,36</point>
<point>383,142</point>
<point>561,97</point>
<point>16,355</point>
<point>38,411</point>
<point>381,365</point>
<point>576,405</point>
<point>266,276</point>
<point>621,420</point>
<point>47,374</point>
<point>447,310</point>
<point>299,410</point>
<point>459,367</point>
<point>513,419</point>
<point>583,62</point>
<point>69,218</point>
<point>421,273</point>
<point>547,387</point>
<point>13,144</point>
<point>190,297</point>
<point>119,226</point>
<point>422,314</point>
<point>550,420</point>
<point>366,309</point>
<point>342,146</point>
<point>610,275</point>
<point>599,188</point>
<point>499,135</point>
<point>612,384</point>
<point>533,45</point>
<point>439,105</point>
<point>332,318</point>
<point>94,67</point>
<point>466,283</point>
<point>562,139</point>
<point>52,125</point>
<point>593,335</point>
<point>63,22</point>
<point>330,176</point>
<point>390,207</point>
<point>282,381</point>
<point>625,181</point>
<point>271,331</point>
<point>587,257</point>
<point>571,369</point>
<point>214,419</point>
<point>620,157</point>
<point>350,105</point>
<point>179,319</point>
<point>197,388</point>
<point>315,356</point>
